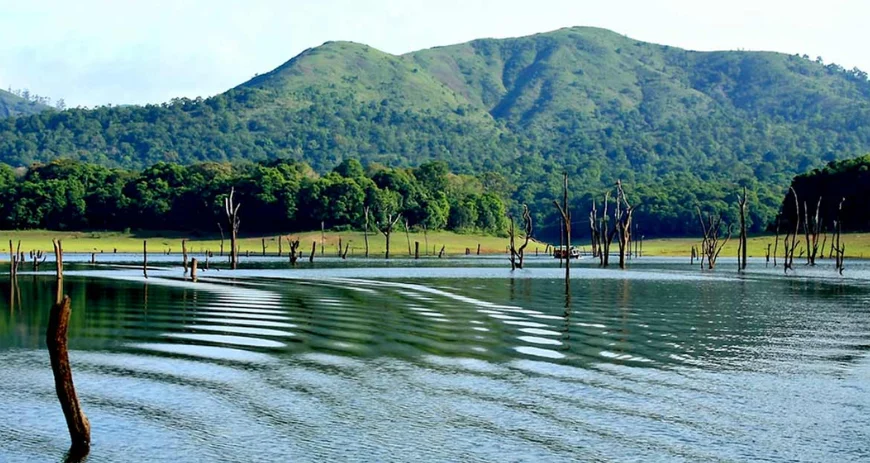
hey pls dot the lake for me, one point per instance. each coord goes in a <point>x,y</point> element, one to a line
<point>444,360</point>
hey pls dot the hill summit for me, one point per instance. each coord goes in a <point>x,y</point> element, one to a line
<point>590,101</point>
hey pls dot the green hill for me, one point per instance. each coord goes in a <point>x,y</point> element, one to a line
<point>11,105</point>
<point>680,127</point>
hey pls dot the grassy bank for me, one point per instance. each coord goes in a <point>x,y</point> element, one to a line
<point>124,242</point>
<point>857,244</point>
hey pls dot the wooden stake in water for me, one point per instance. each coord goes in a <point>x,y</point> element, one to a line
<point>145,258</point>
<point>56,341</point>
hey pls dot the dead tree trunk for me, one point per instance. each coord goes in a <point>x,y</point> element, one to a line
<point>366,230</point>
<point>294,248</point>
<point>776,239</point>
<point>606,234</point>
<point>222,238</point>
<point>56,341</point>
<point>791,246</point>
<point>812,230</point>
<point>565,212</point>
<point>710,246</point>
<point>594,231</point>
<point>184,254</point>
<point>408,237</point>
<point>836,244</point>
<point>232,211</point>
<point>623,223</point>
<point>741,261</point>
<point>517,255</point>
<point>386,229</point>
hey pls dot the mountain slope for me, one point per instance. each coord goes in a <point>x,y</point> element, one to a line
<point>595,103</point>
<point>12,105</point>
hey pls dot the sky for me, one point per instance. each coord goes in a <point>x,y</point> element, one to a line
<point>95,52</point>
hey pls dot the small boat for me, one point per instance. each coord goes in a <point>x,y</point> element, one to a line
<point>561,252</point>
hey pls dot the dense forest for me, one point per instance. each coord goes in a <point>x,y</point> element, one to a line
<point>276,196</point>
<point>681,128</point>
<point>845,181</point>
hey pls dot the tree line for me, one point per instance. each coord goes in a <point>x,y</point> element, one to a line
<point>276,196</point>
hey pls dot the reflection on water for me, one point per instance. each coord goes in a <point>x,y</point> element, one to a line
<point>344,362</point>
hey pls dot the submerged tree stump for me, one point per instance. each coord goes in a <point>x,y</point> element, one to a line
<point>56,341</point>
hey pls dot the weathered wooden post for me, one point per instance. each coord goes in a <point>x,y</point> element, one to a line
<point>322,237</point>
<point>280,249</point>
<point>222,238</point>
<point>193,269</point>
<point>478,249</point>
<point>184,255</point>
<point>56,341</point>
<point>408,237</point>
<point>263,240</point>
<point>366,212</point>
<point>741,261</point>
<point>145,258</point>
<point>441,254</point>
<point>416,249</point>
<point>313,250</point>
<point>467,251</point>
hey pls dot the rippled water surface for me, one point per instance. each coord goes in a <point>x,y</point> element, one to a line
<point>445,360</point>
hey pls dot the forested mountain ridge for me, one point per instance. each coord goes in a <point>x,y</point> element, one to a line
<point>13,105</point>
<point>679,127</point>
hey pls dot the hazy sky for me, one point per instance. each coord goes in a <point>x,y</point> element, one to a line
<point>93,52</point>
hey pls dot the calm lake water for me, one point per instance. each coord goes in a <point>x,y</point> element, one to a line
<point>444,360</point>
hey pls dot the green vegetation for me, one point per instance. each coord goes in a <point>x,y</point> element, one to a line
<point>847,180</point>
<point>680,128</point>
<point>275,196</point>
<point>14,105</point>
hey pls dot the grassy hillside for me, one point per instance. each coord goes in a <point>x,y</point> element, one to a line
<point>679,127</point>
<point>11,105</point>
